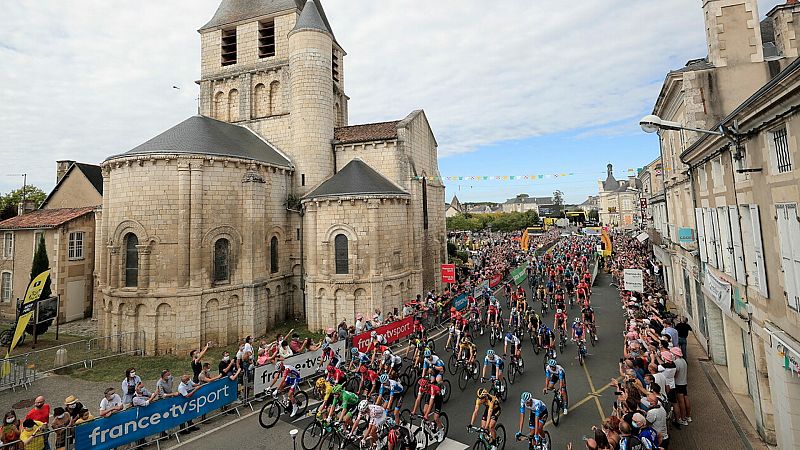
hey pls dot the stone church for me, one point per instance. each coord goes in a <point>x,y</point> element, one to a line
<point>267,205</point>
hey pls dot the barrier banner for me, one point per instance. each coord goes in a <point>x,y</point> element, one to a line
<point>448,273</point>
<point>139,422</point>
<point>460,302</point>
<point>495,280</point>
<point>306,363</point>
<point>519,274</point>
<point>393,333</point>
<point>633,280</point>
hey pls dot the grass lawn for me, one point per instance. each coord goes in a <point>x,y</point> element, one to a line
<point>150,367</point>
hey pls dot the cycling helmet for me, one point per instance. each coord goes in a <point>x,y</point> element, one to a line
<point>279,366</point>
<point>526,397</point>
<point>337,389</point>
<point>465,339</point>
<point>513,309</point>
<point>354,351</point>
<point>577,320</point>
<point>387,353</point>
<point>363,405</point>
<point>330,368</point>
<point>482,393</point>
<point>320,383</point>
<point>489,353</point>
<point>427,353</point>
<point>453,309</point>
<point>390,422</point>
<point>558,311</point>
<point>373,334</point>
<point>552,362</point>
<point>423,383</point>
<point>325,344</point>
<point>384,378</point>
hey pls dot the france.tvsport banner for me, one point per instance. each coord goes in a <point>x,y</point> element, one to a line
<point>519,274</point>
<point>305,363</point>
<point>139,422</point>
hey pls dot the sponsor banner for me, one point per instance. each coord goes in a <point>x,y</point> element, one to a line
<point>686,235</point>
<point>139,422</point>
<point>495,280</point>
<point>460,302</point>
<point>634,280</point>
<point>718,291</point>
<point>519,274</point>
<point>393,333</point>
<point>306,363</point>
<point>448,273</point>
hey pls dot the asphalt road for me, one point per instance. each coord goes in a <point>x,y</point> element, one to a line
<point>589,392</point>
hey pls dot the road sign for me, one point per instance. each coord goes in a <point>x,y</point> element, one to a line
<point>634,280</point>
<point>448,273</point>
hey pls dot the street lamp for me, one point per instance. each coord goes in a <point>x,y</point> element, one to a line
<point>293,434</point>
<point>653,123</point>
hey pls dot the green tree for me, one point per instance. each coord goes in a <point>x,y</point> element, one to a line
<point>593,215</point>
<point>10,201</point>
<point>558,200</point>
<point>41,263</point>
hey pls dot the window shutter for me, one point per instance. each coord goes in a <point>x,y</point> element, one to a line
<point>701,233</point>
<point>785,246</point>
<point>761,270</point>
<point>711,247</point>
<point>736,239</point>
<point>718,247</point>
<point>726,241</point>
<point>794,239</point>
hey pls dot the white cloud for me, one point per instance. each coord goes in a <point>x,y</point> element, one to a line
<point>90,78</point>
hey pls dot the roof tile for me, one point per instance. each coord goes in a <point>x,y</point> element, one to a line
<point>366,132</point>
<point>44,218</point>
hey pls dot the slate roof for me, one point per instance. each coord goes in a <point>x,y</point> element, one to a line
<point>207,136</point>
<point>356,178</point>
<point>310,18</point>
<point>366,132</point>
<point>234,11</point>
<point>92,173</point>
<point>694,64</point>
<point>44,218</point>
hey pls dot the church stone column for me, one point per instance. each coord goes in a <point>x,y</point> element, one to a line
<point>114,266</point>
<point>196,224</point>
<point>144,267</point>
<point>374,237</point>
<point>184,211</point>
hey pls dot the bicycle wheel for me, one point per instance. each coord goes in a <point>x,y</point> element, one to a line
<point>593,338</point>
<point>556,417</point>
<point>312,435</point>
<point>535,343</point>
<point>301,400</point>
<point>331,441</point>
<point>446,390</point>
<point>463,377</point>
<point>431,344</point>
<point>492,338</point>
<point>504,393</point>
<point>452,364</point>
<point>269,414</point>
<point>521,366</point>
<point>445,424</point>
<point>512,370</point>
<point>546,444</point>
<point>480,445</point>
<point>421,437</point>
<point>580,357</point>
<point>500,430</point>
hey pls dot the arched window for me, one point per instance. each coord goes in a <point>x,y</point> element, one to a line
<point>341,254</point>
<point>220,107</point>
<point>275,106</point>
<point>131,260</point>
<point>221,260</point>
<point>260,101</point>
<point>233,106</point>
<point>273,255</point>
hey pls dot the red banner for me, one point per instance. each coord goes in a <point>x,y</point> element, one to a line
<point>495,280</point>
<point>448,273</point>
<point>393,333</point>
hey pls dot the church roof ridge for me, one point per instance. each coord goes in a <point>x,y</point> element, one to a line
<point>356,178</point>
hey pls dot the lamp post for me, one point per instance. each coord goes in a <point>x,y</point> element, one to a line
<point>293,434</point>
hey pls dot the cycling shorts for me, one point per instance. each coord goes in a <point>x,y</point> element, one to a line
<point>438,400</point>
<point>292,382</point>
<point>378,421</point>
<point>495,413</point>
<point>542,420</point>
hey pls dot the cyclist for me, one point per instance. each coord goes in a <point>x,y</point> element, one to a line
<point>358,360</point>
<point>467,350</point>
<point>417,346</point>
<point>578,330</point>
<point>290,378</point>
<point>547,339</point>
<point>516,344</point>
<point>588,318</point>
<point>324,390</point>
<point>433,366</point>
<point>496,364</point>
<point>376,346</point>
<point>328,355</point>
<point>540,292</point>
<point>395,391</point>
<point>335,375</point>
<point>490,414</point>
<point>347,399</point>
<point>560,321</point>
<point>534,321</point>
<point>514,320</point>
<point>375,414</point>
<point>391,363</point>
<point>553,374</point>
<point>492,313</point>
<point>399,438</point>
<point>434,405</point>
<point>537,419</point>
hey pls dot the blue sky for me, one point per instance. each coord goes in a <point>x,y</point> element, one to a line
<point>522,87</point>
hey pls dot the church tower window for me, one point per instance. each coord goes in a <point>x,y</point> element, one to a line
<point>335,66</point>
<point>221,260</point>
<point>131,260</point>
<point>266,39</point>
<point>341,254</point>
<point>273,255</point>
<point>229,47</point>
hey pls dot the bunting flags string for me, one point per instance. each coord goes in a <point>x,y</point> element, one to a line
<point>636,171</point>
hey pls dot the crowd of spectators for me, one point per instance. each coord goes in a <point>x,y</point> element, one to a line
<point>651,393</point>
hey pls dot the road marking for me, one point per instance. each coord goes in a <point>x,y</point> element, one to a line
<point>594,394</point>
<point>449,444</point>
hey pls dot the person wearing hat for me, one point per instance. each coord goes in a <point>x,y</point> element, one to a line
<point>359,323</point>
<point>684,410</point>
<point>73,407</point>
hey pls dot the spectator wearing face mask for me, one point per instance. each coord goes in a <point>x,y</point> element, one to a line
<point>73,407</point>
<point>165,386</point>
<point>59,425</point>
<point>11,427</point>
<point>110,403</point>
<point>143,397</point>
<point>40,411</point>
<point>226,365</point>
<point>129,386</point>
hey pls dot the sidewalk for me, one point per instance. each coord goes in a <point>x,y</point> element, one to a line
<point>717,420</point>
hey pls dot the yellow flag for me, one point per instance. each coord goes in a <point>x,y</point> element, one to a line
<point>32,294</point>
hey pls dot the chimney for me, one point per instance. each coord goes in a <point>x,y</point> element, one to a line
<point>786,28</point>
<point>25,207</point>
<point>62,167</point>
<point>733,32</point>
